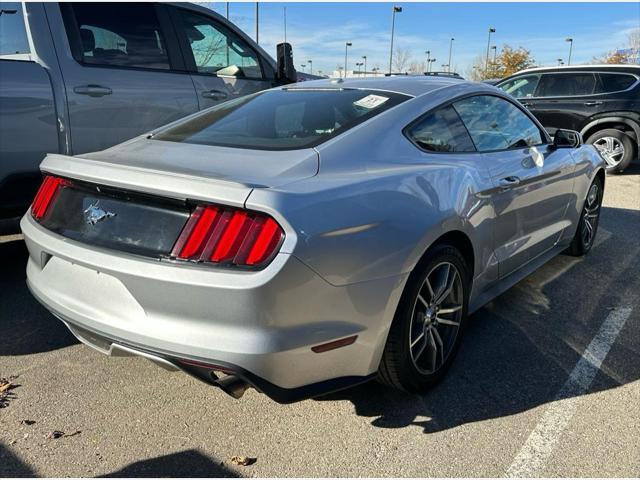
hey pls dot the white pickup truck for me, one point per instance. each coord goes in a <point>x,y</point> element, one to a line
<point>81,77</point>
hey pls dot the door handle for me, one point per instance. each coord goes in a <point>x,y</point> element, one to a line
<point>215,94</point>
<point>593,104</point>
<point>509,182</point>
<point>92,90</point>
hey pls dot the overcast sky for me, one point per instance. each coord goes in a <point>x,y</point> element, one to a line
<point>318,31</point>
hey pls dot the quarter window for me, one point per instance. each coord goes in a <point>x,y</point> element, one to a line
<point>614,82</point>
<point>13,35</point>
<point>217,50</point>
<point>121,34</point>
<point>521,87</point>
<point>566,85</point>
<point>497,124</point>
<point>441,131</point>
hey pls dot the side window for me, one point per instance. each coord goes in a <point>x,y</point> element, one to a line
<point>614,82</point>
<point>13,34</point>
<point>441,131</point>
<point>566,84</point>
<point>497,124</point>
<point>217,50</point>
<point>521,87</point>
<point>121,34</point>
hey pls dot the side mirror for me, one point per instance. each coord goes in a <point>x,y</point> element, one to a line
<point>567,139</point>
<point>286,71</point>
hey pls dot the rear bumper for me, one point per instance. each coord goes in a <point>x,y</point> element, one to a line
<point>261,325</point>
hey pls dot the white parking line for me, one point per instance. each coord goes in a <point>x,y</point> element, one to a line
<point>532,456</point>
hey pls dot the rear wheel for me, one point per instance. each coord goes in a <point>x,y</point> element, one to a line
<point>616,147</point>
<point>589,218</point>
<point>428,325</point>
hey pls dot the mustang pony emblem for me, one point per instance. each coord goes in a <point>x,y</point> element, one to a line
<point>95,214</point>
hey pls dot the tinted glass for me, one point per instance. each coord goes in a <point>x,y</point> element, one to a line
<point>13,34</point>
<point>566,84</point>
<point>496,124</point>
<point>521,87</point>
<point>441,131</point>
<point>217,50</point>
<point>121,34</point>
<point>282,119</point>
<point>614,82</point>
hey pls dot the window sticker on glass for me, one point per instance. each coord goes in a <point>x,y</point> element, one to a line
<point>370,101</point>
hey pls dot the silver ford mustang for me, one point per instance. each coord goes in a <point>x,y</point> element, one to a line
<point>308,238</point>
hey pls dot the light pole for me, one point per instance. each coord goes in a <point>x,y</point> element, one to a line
<point>346,47</point>
<point>491,30</point>
<point>570,40</point>
<point>303,66</point>
<point>431,61</point>
<point>257,38</point>
<point>310,62</point>
<point>227,10</point>
<point>358,64</point>
<point>428,52</point>
<point>495,50</point>
<point>285,24</point>
<point>364,57</point>
<point>560,62</point>
<point>375,71</point>
<point>444,65</point>
<point>450,48</point>
<point>393,26</point>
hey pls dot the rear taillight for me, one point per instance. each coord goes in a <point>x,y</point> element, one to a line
<point>226,235</point>
<point>46,195</point>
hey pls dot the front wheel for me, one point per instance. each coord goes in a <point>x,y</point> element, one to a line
<point>585,235</point>
<point>427,329</point>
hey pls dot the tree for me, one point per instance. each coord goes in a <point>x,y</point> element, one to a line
<point>401,60</point>
<point>628,54</point>
<point>417,67</point>
<point>509,61</point>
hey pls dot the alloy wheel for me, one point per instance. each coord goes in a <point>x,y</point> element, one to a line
<point>611,149</point>
<point>590,215</point>
<point>436,316</point>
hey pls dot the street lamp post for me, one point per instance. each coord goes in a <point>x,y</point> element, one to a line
<point>570,40</point>
<point>428,52</point>
<point>431,61</point>
<point>491,30</point>
<point>303,66</point>
<point>560,62</point>
<point>346,46</point>
<point>450,48</point>
<point>285,24</point>
<point>358,64</point>
<point>393,26</point>
<point>227,11</point>
<point>310,62</point>
<point>364,57</point>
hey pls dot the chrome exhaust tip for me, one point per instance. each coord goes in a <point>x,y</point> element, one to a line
<point>232,385</point>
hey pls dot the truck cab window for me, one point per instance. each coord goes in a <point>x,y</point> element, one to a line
<point>124,35</point>
<point>217,50</point>
<point>13,34</point>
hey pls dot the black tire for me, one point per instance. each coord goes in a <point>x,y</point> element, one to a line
<point>398,368</point>
<point>590,214</point>
<point>598,140</point>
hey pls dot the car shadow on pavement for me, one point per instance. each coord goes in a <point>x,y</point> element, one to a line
<point>25,326</point>
<point>188,463</point>
<point>519,350</point>
<point>12,466</point>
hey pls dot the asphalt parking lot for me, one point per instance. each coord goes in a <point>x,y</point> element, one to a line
<point>547,383</point>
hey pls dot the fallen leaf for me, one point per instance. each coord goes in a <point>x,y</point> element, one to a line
<point>4,386</point>
<point>244,461</point>
<point>27,422</point>
<point>55,434</point>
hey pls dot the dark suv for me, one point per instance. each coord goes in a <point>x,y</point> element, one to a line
<point>602,102</point>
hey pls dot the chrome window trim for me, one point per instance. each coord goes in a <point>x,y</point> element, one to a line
<point>593,72</point>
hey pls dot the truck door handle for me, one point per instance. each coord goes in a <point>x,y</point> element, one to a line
<point>92,90</point>
<point>593,104</point>
<point>215,94</point>
<point>508,182</point>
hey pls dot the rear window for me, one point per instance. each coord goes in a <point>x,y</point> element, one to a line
<point>282,119</point>
<point>13,34</point>
<point>614,82</point>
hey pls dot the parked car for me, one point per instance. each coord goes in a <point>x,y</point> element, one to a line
<point>602,102</point>
<point>81,77</point>
<point>311,237</point>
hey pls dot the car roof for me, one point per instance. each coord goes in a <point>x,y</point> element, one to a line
<point>584,68</point>
<point>408,85</point>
